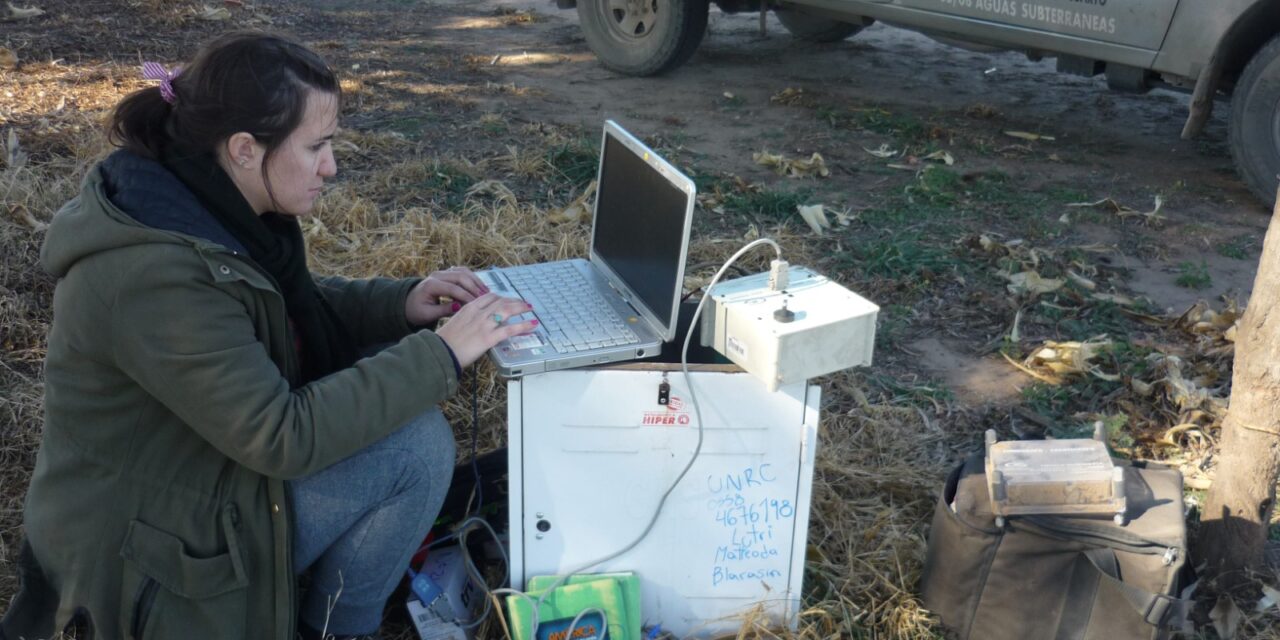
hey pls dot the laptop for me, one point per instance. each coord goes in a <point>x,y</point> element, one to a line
<point>621,303</point>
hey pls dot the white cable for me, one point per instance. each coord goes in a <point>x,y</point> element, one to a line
<point>473,572</point>
<point>604,622</point>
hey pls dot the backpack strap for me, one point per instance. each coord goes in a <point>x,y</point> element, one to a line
<point>1157,609</point>
<point>1082,591</point>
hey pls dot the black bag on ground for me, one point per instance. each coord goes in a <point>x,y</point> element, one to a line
<point>1058,577</point>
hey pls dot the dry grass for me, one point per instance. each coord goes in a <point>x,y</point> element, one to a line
<point>28,197</point>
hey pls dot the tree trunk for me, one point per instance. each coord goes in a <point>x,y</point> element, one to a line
<point>1233,531</point>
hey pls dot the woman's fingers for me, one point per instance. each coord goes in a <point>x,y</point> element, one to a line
<point>464,279</point>
<point>512,306</point>
<point>482,324</point>
<point>518,328</point>
<point>453,291</point>
<point>495,308</point>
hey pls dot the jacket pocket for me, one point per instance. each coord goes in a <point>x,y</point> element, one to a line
<point>168,593</point>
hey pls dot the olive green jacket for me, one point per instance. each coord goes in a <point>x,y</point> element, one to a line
<point>157,503</point>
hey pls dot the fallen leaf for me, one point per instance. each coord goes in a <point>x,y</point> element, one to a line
<point>882,152</point>
<point>1187,394</point>
<point>1114,298</point>
<point>1026,135</point>
<point>941,156</point>
<point>20,13</point>
<point>214,14</point>
<point>1269,599</point>
<point>1108,202</point>
<point>1031,282</point>
<point>814,216</point>
<point>788,96</point>
<point>8,59</point>
<point>1081,280</point>
<point>20,212</point>
<point>1200,318</point>
<point>494,188</point>
<point>578,211</point>
<point>1155,212</point>
<point>1226,618</point>
<point>1071,358</point>
<point>815,165</point>
<point>992,245</point>
<point>1125,212</point>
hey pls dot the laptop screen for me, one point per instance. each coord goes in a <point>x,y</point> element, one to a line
<point>640,227</point>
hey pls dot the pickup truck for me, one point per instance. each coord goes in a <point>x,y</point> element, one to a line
<point>1215,49</point>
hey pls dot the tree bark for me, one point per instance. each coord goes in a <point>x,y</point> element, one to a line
<point>1234,525</point>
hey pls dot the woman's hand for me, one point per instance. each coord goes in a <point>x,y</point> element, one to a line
<point>481,324</point>
<point>458,284</point>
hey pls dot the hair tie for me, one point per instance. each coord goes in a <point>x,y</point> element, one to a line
<point>156,71</point>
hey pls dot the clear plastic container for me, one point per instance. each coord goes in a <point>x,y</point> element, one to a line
<point>1053,477</point>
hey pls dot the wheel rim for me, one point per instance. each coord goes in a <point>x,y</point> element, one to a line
<point>630,19</point>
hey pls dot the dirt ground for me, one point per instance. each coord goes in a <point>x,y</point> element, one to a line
<point>447,98</point>
<point>721,107</point>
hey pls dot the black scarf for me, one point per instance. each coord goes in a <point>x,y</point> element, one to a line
<point>274,242</point>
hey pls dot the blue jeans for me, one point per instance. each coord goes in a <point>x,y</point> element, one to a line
<point>358,522</point>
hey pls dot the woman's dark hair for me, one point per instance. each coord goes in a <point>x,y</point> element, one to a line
<point>241,81</point>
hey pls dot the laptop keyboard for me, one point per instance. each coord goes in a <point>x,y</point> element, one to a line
<point>572,311</point>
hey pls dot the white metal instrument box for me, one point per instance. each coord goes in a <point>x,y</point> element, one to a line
<point>812,327</point>
<point>591,452</point>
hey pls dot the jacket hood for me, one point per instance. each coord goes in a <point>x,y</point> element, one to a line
<point>128,200</point>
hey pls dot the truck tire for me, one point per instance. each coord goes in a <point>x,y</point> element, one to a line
<point>643,37</point>
<point>1255,122</point>
<point>811,28</point>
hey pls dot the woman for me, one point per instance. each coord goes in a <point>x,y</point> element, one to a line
<point>211,431</point>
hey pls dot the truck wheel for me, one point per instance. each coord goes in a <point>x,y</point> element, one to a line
<point>643,37</point>
<point>811,28</point>
<point>1255,122</point>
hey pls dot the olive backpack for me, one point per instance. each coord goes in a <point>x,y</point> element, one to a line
<point>1059,577</point>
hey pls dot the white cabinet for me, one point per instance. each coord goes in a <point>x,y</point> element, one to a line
<point>592,451</point>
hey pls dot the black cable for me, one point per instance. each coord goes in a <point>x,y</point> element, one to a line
<point>475,439</point>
